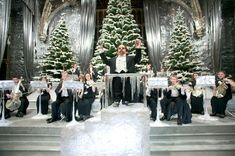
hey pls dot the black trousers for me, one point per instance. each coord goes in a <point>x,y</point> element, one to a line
<point>171,106</point>
<point>152,104</point>
<point>196,104</point>
<point>24,105</point>
<point>44,103</point>
<point>66,108</point>
<point>177,105</point>
<point>84,106</point>
<point>117,86</point>
<point>218,105</point>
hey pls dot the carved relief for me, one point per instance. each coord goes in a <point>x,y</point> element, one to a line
<point>45,15</point>
<point>193,8</point>
<point>198,18</point>
<point>51,7</point>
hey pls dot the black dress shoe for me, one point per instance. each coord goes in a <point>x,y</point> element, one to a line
<point>19,114</point>
<point>78,118</point>
<point>153,118</point>
<point>163,118</point>
<point>179,122</point>
<point>51,120</point>
<point>221,115</point>
<point>125,103</point>
<point>68,119</point>
<point>213,114</point>
<point>48,119</point>
<point>7,116</point>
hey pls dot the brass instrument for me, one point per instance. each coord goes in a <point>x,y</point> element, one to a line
<point>14,103</point>
<point>175,86</point>
<point>174,89</point>
<point>220,90</point>
<point>197,91</point>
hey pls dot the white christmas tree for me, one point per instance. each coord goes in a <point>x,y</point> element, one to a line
<point>182,58</point>
<point>119,27</point>
<point>59,56</point>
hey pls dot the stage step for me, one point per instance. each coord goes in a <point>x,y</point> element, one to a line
<point>28,141</point>
<point>193,140</point>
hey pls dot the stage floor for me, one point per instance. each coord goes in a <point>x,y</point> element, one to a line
<point>28,121</point>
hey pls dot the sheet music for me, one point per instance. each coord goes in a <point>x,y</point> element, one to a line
<point>157,82</point>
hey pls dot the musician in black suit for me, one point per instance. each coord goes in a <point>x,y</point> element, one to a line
<point>75,70</point>
<point>93,72</point>
<point>174,101</point>
<point>221,94</point>
<point>45,96</point>
<point>64,99</point>
<point>152,99</point>
<point>122,63</point>
<point>18,92</point>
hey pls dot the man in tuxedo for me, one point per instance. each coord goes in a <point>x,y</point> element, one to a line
<point>122,63</point>
<point>19,91</point>
<point>64,99</point>
<point>75,70</point>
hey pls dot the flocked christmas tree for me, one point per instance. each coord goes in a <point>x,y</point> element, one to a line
<point>182,58</point>
<point>119,27</point>
<point>59,56</point>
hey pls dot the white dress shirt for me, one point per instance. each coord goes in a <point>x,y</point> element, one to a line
<point>121,64</point>
<point>64,92</point>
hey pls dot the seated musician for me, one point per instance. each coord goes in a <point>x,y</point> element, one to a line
<point>222,93</point>
<point>64,100</point>
<point>152,97</point>
<point>16,99</point>
<point>196,96</point>
<point>86,98</point>
<point>122,63</point>
<point>45,97</point>
<point>93,72</point>
<point>174,101</point>
<point>75,70</point>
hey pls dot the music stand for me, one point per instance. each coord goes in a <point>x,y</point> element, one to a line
<point>5,85</point>
<point>39,85</point>
<point>158,83</point>
<point>205,81</point>
<point>74,85</point>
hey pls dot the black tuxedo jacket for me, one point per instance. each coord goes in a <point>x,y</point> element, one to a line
<point>130,61</point>
<point>77,71</point>
<point>94,73</point>
<point>58,92</point>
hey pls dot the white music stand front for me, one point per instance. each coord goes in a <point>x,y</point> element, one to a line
<point>74,85</point>
<point>5,85</point>
<point>158,83</point>
<point>205,81</point>
<point>39,85</point>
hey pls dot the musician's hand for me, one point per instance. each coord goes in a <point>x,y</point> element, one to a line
<point>170,88</point>
<point>138,43</point>
<point>231,82</point>
<point>9,96</point>
<point>101,48</point>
